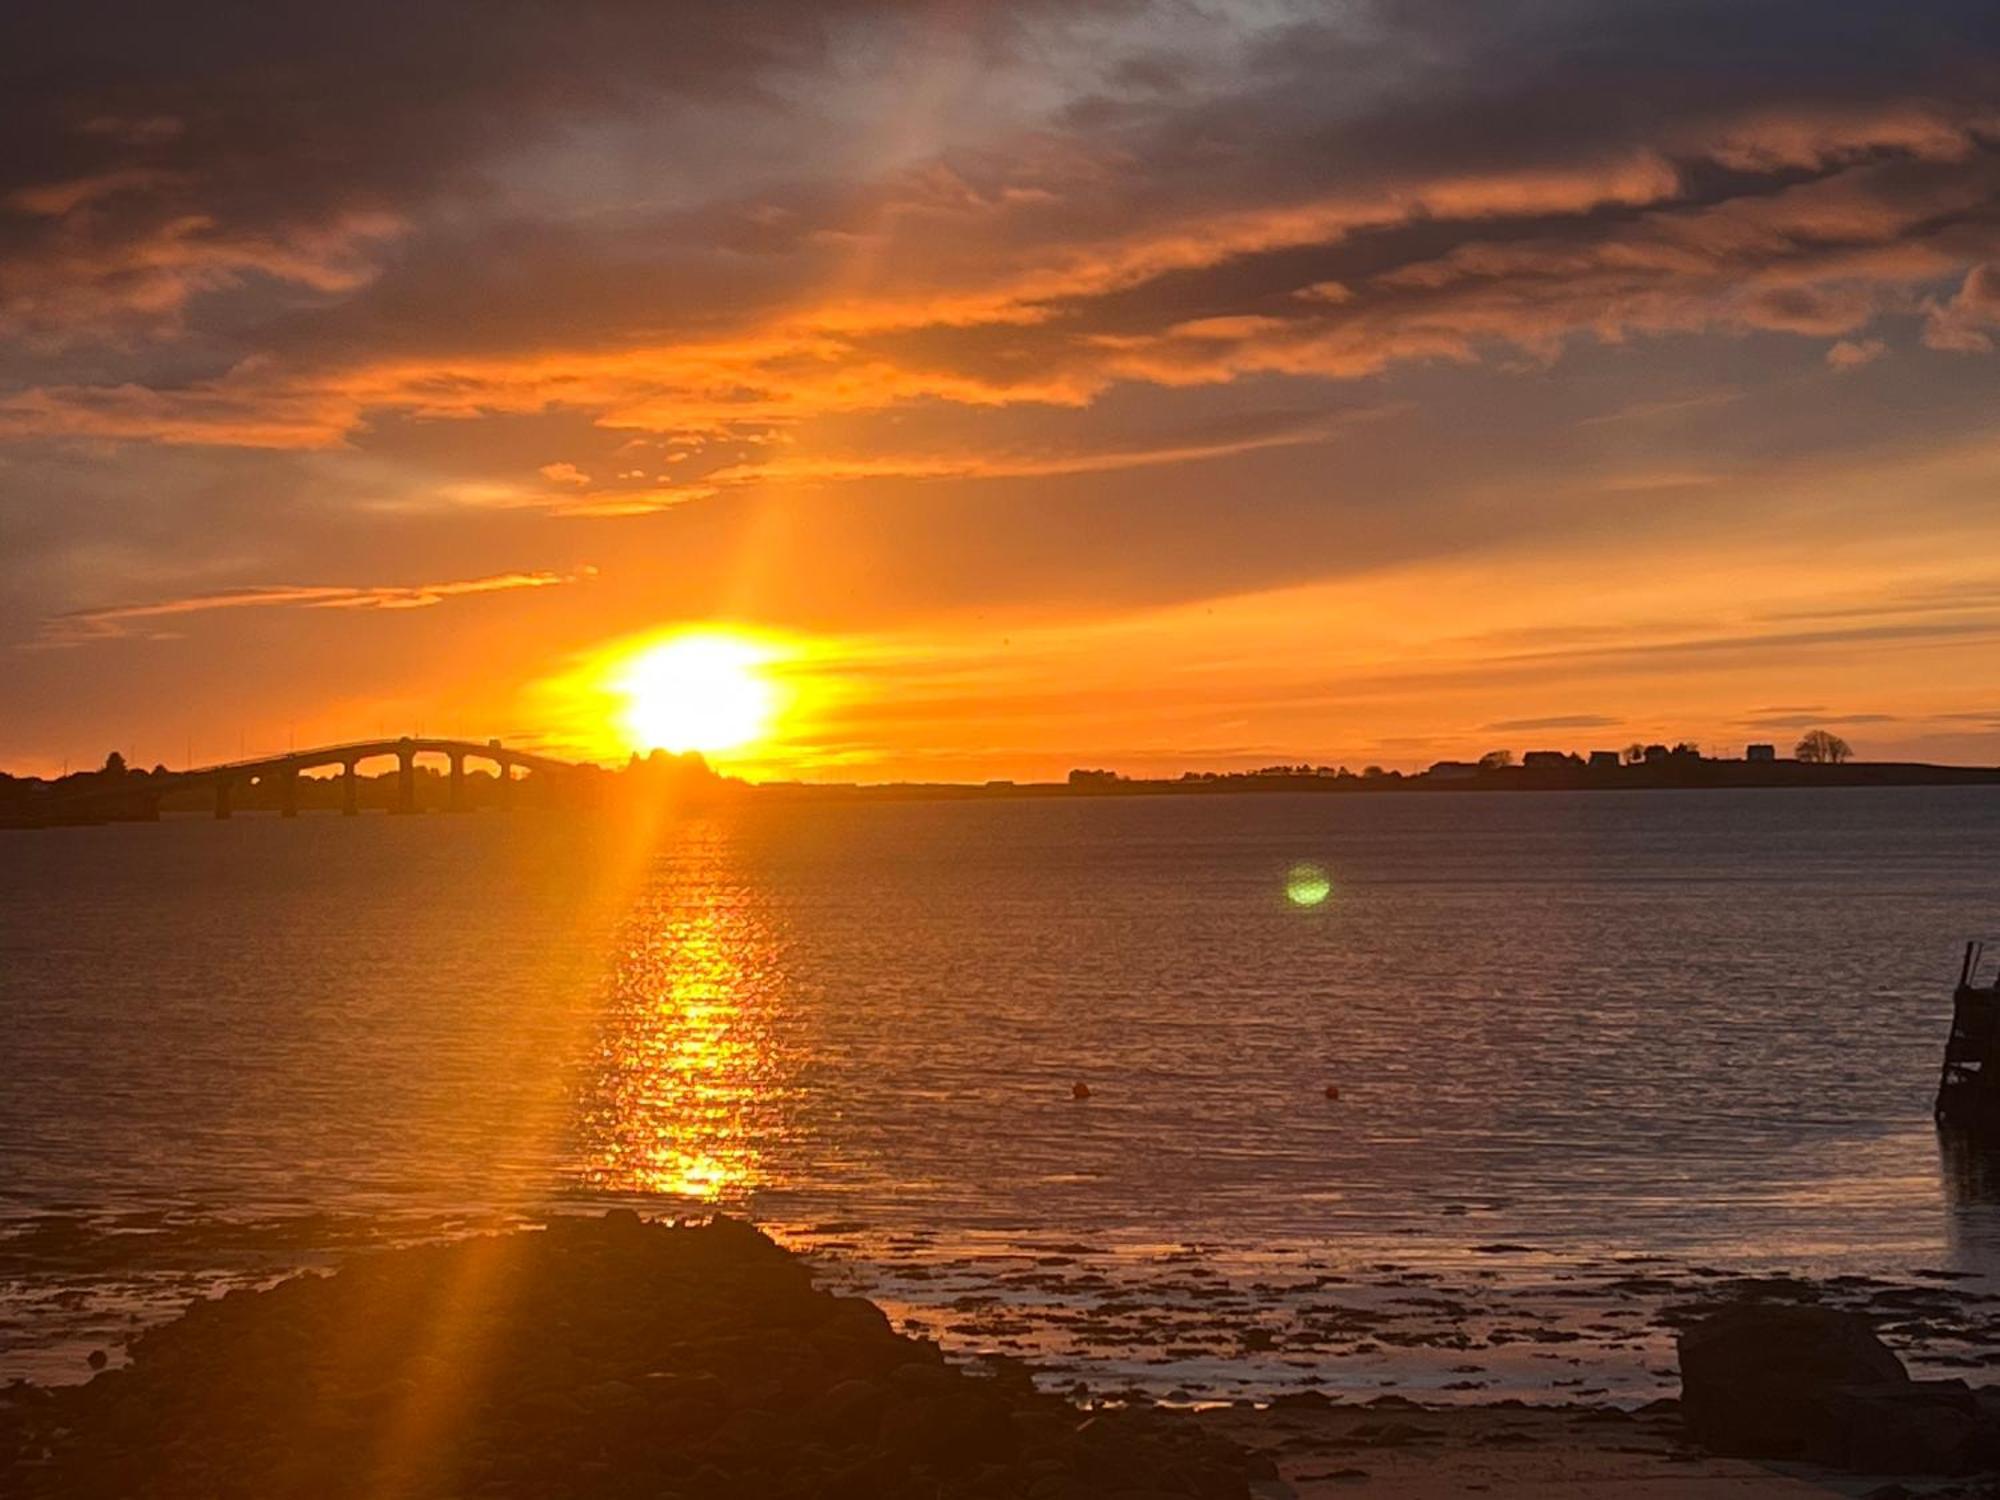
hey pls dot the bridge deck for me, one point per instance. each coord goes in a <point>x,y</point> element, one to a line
<point>360,750</point>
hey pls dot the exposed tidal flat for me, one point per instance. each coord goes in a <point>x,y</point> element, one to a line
<point>1601,1059</point>
<point>611,1357</point>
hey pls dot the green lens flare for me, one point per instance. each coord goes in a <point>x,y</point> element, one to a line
<point>1307,885</point>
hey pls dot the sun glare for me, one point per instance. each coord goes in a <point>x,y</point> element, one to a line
<point>697,692</point>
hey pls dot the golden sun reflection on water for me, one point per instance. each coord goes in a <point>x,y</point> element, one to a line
<point>689,1078</point>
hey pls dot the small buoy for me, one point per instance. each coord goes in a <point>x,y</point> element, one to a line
<point>1333,1091</point>
<point>1079,1091</point>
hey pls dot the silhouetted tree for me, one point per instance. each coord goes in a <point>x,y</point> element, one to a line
<point>1822,747</point>
<point>114,764</point>
<point>1634,753</point>
<point>1493,760</point>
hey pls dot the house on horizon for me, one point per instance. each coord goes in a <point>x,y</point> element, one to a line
<point>1082,777</point>
<point>1550,760</point>
<point>1452,770</point>
<point>1760,752</point>
<point>1605,760</point>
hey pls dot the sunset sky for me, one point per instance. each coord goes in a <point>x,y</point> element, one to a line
<point>1029,385</point>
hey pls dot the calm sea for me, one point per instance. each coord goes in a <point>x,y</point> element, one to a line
<point>1697,1031</point>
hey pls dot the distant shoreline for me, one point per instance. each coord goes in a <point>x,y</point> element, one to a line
<point>134,797</point>
<point>1692,775</point>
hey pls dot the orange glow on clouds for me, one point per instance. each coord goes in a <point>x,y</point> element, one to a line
<point>975,426</point>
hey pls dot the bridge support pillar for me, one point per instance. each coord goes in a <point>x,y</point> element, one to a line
<point>288,793</point>
<point>406,780</point>
<point>506,786</point>
<point>457,802</point>
<point>350,790</point>
<point>222,785</point>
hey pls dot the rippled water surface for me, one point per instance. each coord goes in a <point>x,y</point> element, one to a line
<point>1698,1026</point>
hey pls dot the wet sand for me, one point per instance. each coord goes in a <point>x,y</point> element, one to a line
<point>1514,1453</point>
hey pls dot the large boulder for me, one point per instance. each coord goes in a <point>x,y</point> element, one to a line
<point>1756,1378</point>
<point>1769,1380</point>
<point>1916,1427</point>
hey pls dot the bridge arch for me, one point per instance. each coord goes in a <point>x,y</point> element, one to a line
<point>406,751</point>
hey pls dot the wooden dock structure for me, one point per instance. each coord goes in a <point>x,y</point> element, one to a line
<point>1968,1096</point>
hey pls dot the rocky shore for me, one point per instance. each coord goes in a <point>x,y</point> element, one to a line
<point>611,1357</point>
<point>598,1357</point>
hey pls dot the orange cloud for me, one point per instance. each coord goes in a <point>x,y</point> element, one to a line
<point>1812,138</point>
<point>118,620</point>
<point>1012,312</point>
<point>1850,354</point>
<point>793,468</point>
<point>84,280</point>
<point>1960,324</point>
<point>1667,636</point>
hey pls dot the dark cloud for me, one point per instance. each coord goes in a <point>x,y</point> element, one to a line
<point>1807,719</point>
<point>1280,224</point>
<point>1555,721</point>
<point>159,154</point>
<point>111,622</point>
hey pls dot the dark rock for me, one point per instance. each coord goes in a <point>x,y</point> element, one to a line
<point>1040,1431</point>
<point>1306,1400</point>
<point>1907,1427</point>
<point>923,1376</point>
<point>1756,1379</point>
<point>847,1409</point>
<point>600,1358</point>
<point>610,1395</point>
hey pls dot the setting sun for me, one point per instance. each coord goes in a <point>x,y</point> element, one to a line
<point>697,692</point>
<point>669,666</point>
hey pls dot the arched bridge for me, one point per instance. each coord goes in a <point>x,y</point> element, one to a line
<point>285,771</point>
